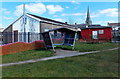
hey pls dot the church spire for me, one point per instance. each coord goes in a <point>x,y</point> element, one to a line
<point>88,20</point>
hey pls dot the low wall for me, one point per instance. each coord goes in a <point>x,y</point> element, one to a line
<point>20,46</point>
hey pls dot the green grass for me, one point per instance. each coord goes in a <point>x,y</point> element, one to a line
<point>102,64</point>
<point>41,53</point>
<point>26,55</point>
<point>85,47</point>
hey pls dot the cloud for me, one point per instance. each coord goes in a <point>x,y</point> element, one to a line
<point>59,19</point>
<point>4,10</point>
<point>19,10</point>
<point>55,15</point>
<point>1,25</point>
<point>75,2</point>
<point>37,8</point>
<point>7,18</point>
<point>77,7</point>
<point>104,22</point>
<point>111,12</point>
<point>73,14</point>
<point>79,19</point>
<point>54,8</point>
<point>67,7</point>
<point>94,15</point>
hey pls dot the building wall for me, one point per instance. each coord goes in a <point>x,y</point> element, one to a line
<point>48,26</point>
<point>7,35</point>
<point>1,36</point>
<point>87,34</point>
<point>45,26</point>
<point>32,27</point>
<point>115,31</point>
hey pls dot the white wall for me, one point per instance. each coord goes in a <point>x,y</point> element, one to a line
<point>31,25</point>
<point>18,25</point>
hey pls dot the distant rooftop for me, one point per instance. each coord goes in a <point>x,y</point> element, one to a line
<point>95,27</point>
<point>80,25</point>
<point>114,24</point>
<point>84,26</point>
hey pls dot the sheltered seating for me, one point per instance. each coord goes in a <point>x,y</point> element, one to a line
<point>59,36</point>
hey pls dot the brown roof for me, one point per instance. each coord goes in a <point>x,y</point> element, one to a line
<point>114,24</point>
<point>47,19</point>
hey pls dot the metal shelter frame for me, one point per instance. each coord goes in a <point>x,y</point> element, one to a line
<point>68,34</point>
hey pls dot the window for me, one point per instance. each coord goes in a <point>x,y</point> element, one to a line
<point>46,29</point>
<point>94,34</point>
<point>101,31</point>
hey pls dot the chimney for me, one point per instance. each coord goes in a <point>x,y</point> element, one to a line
<point>75,23</point>
<point>65,22</point>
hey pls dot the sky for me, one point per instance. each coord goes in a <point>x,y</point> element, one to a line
<point>71,12</point>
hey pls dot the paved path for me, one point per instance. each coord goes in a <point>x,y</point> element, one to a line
<point>59,54</point>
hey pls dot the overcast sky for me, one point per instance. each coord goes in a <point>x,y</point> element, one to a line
<point>71,12</point>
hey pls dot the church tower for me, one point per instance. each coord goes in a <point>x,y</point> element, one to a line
<point>88,20</point>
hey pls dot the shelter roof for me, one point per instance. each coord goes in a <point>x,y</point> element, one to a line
<point>61,30</point>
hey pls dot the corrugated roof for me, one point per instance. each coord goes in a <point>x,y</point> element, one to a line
<point>61,29</point>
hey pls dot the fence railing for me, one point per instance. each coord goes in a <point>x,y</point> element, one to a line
<point>10,37</point>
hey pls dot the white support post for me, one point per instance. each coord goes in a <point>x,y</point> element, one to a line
<point>52,43</point>
<point>74,40</point>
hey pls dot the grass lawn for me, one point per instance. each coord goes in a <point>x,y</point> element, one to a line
<point>41,53</point>
<point>26,55</point>
<point>85,47</point>
<point>102,64</point>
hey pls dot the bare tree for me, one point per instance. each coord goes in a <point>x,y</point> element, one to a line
<point>70,20</point>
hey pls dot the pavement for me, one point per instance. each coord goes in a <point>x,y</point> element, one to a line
<point>59,54</point>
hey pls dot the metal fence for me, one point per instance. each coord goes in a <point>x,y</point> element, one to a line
<point>9,37</point>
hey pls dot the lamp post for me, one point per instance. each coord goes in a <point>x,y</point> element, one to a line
<point>114,34</point>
